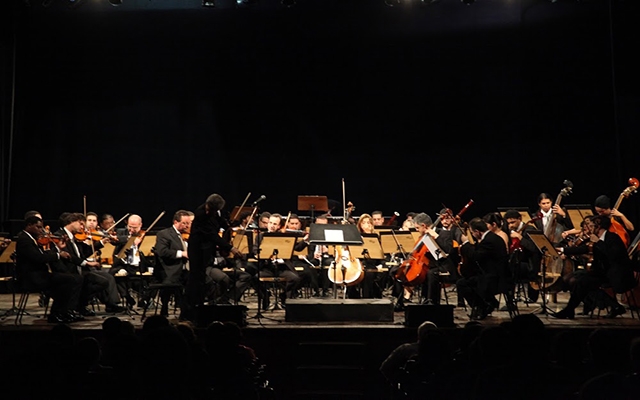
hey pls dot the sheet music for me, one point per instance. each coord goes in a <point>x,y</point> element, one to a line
<point>433,247</point>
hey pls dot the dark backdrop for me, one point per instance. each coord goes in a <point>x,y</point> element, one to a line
<point>152,106</point>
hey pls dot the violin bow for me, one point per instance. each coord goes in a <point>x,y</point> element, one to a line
<point>235,217</point>
<point>129,243</point>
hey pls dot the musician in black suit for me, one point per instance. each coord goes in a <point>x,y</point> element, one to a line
<point>524,256</point>
<point>275,266</point>
<point>33,266</point>
<point>611,265</point>
<point>318,255</point>
<point>172,257</point>
<point>130,239</point>
<point>441,263</point>
<point>96,282</point>
<point>489,258</point>
<point>204,242</point>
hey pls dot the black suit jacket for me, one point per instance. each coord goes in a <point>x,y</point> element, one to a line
<point>32,263</point>
<point>490,256</point>
<point>169,266</point>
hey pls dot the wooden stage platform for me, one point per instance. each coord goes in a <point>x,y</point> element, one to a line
<point>284,345</point>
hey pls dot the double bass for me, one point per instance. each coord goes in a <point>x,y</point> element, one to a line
<point>554,266</point>
<point>616,226</point>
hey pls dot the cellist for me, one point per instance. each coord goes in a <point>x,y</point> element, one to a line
<point>440,264</point>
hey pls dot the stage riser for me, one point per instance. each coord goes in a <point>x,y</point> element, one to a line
<point>207,314</point>
<point>441,315</point>
<point>348,310</point>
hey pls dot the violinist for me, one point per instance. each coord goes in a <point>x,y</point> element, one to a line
<point>34,269</point>
<point>611,265</point>
<point>106,222</point>
<point>204,242</point>
<point>172,258</point>
<point>318,255</point>
<point>489,255</point>
<point>96,283</point>
<point>524,256</point>
<point>133,262</point>
<point>308,273</point>
<point>276,266</point>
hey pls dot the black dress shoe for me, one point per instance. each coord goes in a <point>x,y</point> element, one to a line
<point>114,309</point>
<point>615,311</point>
<point>58,319</point>
<point>131,301</point>
<point>143,303</point>
<point>564,314</point>
<point>399,307</point>
<point>85,312</point>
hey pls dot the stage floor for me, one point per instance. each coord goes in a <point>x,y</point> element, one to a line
<point>35,318</point>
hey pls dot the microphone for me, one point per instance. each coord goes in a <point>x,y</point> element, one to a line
<point>259,200</point>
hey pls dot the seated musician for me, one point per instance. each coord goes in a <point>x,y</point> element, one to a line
<point>273,266</point>
<point>305,268</point>
<point>443,263</point>
<point>96,282</point>
<point>134,260</point>
<point>490,274</point>
<point>172,258</point>
<point>318,255</point>
<point>611,265</point>
<point>34,267</point>
<point>373,282</point>
<point>524,256</point>
<point>620,224</point>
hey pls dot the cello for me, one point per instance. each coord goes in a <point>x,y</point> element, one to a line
<point>347,269</point>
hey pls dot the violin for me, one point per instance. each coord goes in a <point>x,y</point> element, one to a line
<point>47,237</point>
<point>94,235</point>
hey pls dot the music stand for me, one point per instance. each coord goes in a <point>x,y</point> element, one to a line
<point>370,248</point>
<point>276,245</point>
<point>243,241</point>
<point>577,213</point>
<point>339,235</point>
<point>313,203</point>
<point>405,242</point>
<point>8,256</point>
<point>546,248</point>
